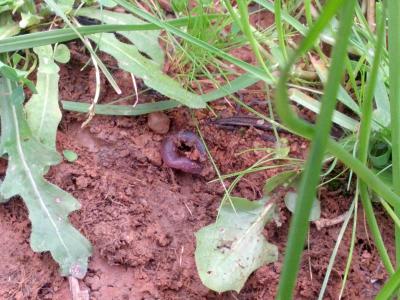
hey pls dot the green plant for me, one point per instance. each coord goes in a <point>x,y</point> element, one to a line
<point>370,95</point>
<point>28,133</point>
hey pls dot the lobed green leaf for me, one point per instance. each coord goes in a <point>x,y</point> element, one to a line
<point>48,205</point>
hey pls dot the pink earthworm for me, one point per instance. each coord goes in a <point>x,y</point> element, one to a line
<point>175,158</point>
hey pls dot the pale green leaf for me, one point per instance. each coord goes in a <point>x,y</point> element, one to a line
<point>16,75</point>
<point>62,54</point>
<point>43,112</point>
<point>130,60</point>
<point>28,19</point>
<point>339,118</point>
<point>108,3</point>
<point>279,180</point>
<point>16,58</point>
<point>291,199</point>
<point>382,111</point>
<point>48,205</point>
<point>70,155</point>
<point>229,250</point>
<point>8,27</point>
<point>65,5</point>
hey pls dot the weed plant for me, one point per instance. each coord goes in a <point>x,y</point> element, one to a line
<point>361,73</point>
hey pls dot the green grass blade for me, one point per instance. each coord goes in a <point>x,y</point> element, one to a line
<point>363,149</point>
<point>255,46</point>
<point>310,178</point>
<point>394,94</point>
<point>280,27</point>
<point>36,39</point>
<point>352,245</point>
<point>339,118</point>
<point>390,287</point>
<point>343,96</point>
<point>239,83</point>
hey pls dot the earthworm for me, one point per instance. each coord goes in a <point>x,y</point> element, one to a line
<point>174,155</point>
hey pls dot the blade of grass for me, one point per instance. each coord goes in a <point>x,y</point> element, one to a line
<point>239,83</point>
<point>255,46</point>
<point>280,27</point>
<point>363,150</point>
<point>42,38</point>
<point>244,18</point>
<point>299,224</point>
<point>394,93</point>
<point>314,105</point>
<point>390,287</point>
<point>351,250</point>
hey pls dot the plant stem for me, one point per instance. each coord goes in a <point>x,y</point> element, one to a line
<point>280,28</point>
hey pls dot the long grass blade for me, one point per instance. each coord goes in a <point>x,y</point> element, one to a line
<point>239,83</point>
<point>310,178</point>
<point>42,38</point>
<point>364,141</point>
<point>390,287</point>
<point>394,93</point>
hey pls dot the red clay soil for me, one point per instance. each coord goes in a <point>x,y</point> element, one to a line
<point>141,216</point>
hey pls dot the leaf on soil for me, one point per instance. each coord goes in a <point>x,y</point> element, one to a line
<point>70,155</point>
<point>130,60</point>
<point>229,250</point>
<point>48,205</point>
<point>62,54</point>
<point>43,111</point>
<point>145,41</point>
<point>290,202</point>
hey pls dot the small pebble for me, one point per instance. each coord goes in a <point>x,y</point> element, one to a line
<point>158,122</point>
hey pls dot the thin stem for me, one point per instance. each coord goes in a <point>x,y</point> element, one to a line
<point>280,28</point>
<point>244,19</point>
